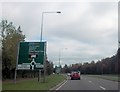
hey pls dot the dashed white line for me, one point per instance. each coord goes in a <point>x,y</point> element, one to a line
<point>90,81</point>
<point>102,88</point>
<point>61,85</point>
<point>81,77</point>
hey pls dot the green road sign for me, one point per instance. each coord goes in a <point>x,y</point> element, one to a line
<point>31,55</point>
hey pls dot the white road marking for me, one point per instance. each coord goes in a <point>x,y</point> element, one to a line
<point>61,85</point>
<point>81,77</point>
<point>102,88</point>
<point>90,81</point>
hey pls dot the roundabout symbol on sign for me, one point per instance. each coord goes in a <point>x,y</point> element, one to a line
<point>33,63</point>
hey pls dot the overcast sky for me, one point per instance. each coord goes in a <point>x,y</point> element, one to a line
<point>88,30</point>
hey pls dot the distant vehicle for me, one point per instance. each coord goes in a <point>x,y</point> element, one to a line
<point>68,74</point>
<point>75,75</point>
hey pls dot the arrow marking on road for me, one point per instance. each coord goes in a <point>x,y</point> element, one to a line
<point>102,88</point>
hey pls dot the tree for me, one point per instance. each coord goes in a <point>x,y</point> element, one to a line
<point>65,69</point>
<point>49,67</point>
<point>11,37</point>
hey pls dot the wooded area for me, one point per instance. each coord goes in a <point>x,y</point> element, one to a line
<point>109,65</point>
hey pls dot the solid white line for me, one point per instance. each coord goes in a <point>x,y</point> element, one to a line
<point>103,88</point>
<point>61,85</point>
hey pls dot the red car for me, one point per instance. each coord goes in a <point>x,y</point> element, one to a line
<point>75,75</point>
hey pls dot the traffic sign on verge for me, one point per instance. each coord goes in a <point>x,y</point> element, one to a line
<point>31,55</point>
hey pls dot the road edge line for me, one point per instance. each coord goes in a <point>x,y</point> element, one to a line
<point>61,85</point>
<point>55,87</point>
<point>102,88</point>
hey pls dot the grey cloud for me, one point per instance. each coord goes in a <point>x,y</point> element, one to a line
<point>88,30</point>
<point>101,8</point>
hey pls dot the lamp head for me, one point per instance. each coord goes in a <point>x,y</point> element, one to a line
<point>58,12</point>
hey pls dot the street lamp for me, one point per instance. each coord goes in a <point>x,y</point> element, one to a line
<point>60,54</point>
<point>42,22</point>
<point>41,41</point>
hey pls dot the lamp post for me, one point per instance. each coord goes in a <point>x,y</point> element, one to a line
<point>42,22</point>
<point>60,54</point>
<point>41,41</point>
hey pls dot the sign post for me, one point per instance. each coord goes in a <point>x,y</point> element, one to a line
<point>31,56</point>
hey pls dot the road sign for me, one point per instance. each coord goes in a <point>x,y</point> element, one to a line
<point>58,69</point>
<point>31,55</point>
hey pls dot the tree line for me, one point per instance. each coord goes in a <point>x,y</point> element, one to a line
<point>109,65</point>
<point>10,37</point>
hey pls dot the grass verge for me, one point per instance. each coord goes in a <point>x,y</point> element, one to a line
<point>51,81</point>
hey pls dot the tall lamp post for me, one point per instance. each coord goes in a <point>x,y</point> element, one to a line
<point>60,53</point>
<point>41,41</point>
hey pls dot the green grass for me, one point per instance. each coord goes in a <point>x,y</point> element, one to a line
<point>33,84</point>
<point>107,77</point>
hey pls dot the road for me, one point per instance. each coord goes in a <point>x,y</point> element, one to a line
<point>88,83</point>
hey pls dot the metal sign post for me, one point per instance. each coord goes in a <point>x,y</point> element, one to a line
<point>44,68</point>
<point>15,76</point>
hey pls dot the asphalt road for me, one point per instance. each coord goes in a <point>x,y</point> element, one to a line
<point>88,83</point>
